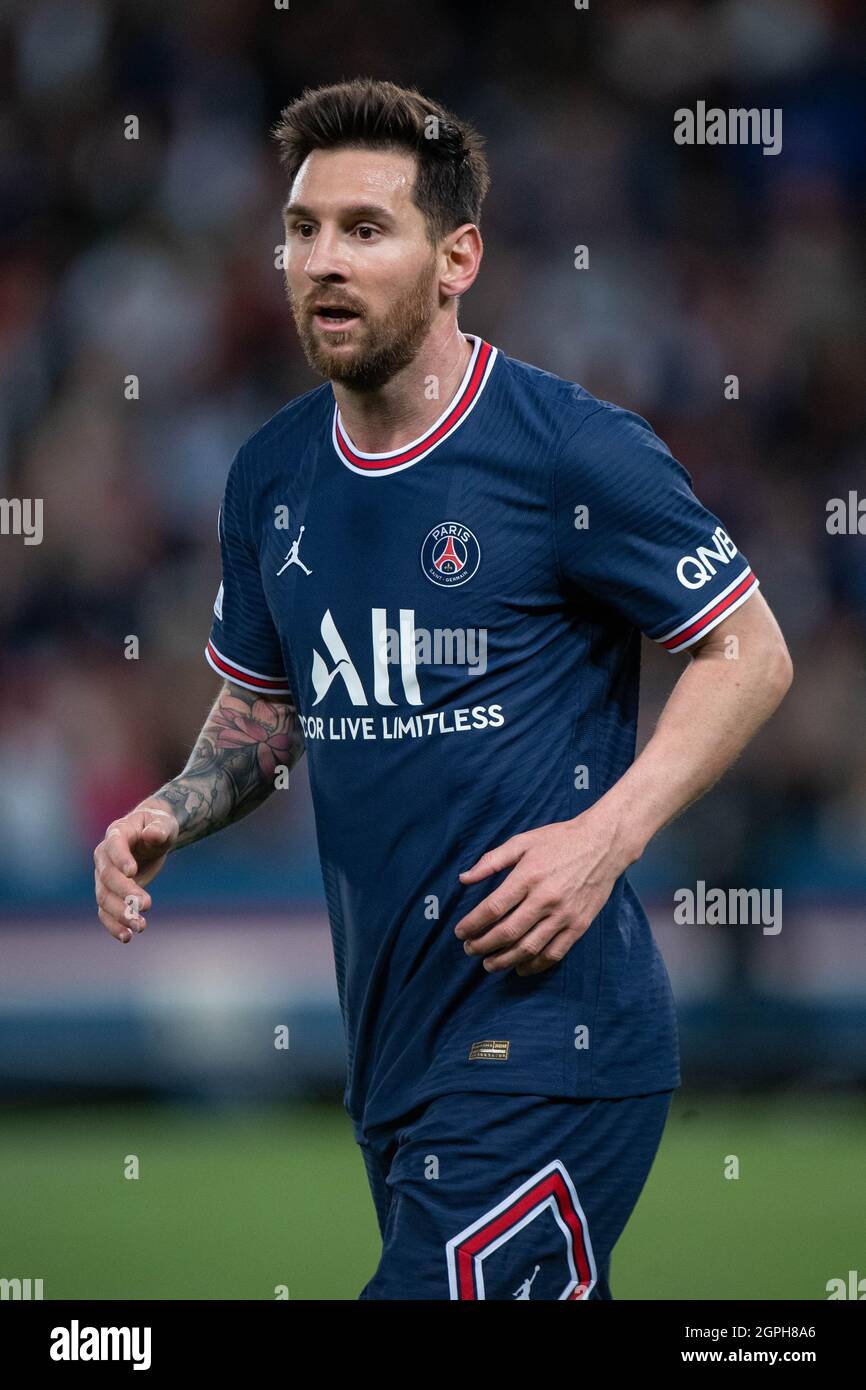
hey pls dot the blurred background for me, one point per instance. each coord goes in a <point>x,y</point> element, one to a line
<point>154,257</point>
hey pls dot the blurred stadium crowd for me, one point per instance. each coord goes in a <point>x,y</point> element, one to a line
<point>154,257</point>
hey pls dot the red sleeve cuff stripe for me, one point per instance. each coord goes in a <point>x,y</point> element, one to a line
<point>707,619</point>
<point>241,675</point>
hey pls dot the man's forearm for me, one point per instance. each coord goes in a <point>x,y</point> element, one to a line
<point>233,766</point>
<point>562,874</point>
<point>713,711</point>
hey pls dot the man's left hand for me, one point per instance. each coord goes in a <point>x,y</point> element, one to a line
<point>561,878</point>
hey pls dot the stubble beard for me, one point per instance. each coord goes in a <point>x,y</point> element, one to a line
<point>386,345</point>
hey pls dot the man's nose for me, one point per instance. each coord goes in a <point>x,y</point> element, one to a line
<point>325,257</point>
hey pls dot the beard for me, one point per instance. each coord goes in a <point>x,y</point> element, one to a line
<point>385,345</point>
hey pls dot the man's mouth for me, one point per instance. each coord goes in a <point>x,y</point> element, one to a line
<point>333,319</point>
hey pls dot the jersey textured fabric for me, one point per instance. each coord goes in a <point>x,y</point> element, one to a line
<point>459,624</point>
<point>484,1196</point>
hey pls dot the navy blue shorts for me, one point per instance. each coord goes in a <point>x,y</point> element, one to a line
<point>481,1195</point>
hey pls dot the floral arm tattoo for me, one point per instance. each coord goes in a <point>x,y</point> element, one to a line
<point>232,768</point>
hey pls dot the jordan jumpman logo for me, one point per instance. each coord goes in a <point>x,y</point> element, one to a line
<point>292,557</point>
<point>522,1293</point>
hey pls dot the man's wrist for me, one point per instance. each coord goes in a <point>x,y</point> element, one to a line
<point>156,805</point>
<point>621,825</point>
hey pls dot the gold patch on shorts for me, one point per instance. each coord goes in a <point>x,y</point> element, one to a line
<point>491,1049</point>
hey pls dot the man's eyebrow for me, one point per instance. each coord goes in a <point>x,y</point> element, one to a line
<point>352,210</point>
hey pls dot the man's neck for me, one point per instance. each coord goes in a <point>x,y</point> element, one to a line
<point>378,422</point>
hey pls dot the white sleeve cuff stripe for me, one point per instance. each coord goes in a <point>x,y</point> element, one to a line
<point>713,614</point>
<point>242,675</point>
<point>717,598</point>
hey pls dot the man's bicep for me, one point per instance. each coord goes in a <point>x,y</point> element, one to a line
<point>751,632</point>
<point>241,718</point>
<point>284,703</point>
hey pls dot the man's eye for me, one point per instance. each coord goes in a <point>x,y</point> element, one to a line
<point>364,227</point>
<point>299,227</point>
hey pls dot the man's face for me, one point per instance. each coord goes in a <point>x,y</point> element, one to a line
<point>355,239</point>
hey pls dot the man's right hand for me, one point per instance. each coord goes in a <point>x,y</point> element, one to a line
<point>132,853</point>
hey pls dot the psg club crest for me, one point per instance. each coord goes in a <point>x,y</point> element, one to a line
<point>450,554</point>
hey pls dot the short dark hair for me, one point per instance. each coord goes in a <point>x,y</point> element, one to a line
<point>452,177</point>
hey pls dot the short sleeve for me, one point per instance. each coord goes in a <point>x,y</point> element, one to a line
<point>244,646</point>
<point>631,532</point>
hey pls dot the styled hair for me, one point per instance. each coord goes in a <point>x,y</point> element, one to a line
<point>452,176</point>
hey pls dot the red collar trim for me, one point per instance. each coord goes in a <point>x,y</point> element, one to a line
<point>474,380</point>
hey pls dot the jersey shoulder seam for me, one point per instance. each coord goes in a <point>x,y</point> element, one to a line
<point>271,429</point>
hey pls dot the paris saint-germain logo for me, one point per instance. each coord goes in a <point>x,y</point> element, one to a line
<point>450,554</point>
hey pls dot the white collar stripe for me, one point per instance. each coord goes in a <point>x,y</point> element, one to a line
<point>474,380</point>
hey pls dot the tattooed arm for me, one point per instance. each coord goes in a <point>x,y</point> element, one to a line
<point>231,771</point>
<point>232,768</point>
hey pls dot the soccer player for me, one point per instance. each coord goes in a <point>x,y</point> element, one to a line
<point>437,566</point>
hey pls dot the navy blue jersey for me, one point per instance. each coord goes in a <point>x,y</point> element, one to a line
<point>459,623</point>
